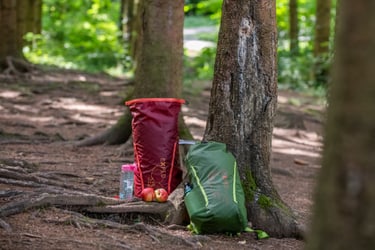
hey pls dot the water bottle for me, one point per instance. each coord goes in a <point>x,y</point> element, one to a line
<point>127,181</point>
<point>187,188</point>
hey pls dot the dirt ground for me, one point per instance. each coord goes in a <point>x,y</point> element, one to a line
<point>40,117</point>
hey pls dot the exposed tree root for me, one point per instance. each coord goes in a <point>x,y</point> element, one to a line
<point>278,220</point>
<point>20,183</point>
<point>5,226</point>
<point>21,164</point>
<point>30,179</point>
<point>95,204</point>
<point>55,193</point>
<point>10,193</point>
<point>46,200</point>
<point>117,134</point>
<point>155,233</point>
<point>18,66</point>
<point>135,206</point>
<point>122,130</point>
<point>126,149</point>
<point>113,244</point>
<point>90,203</point>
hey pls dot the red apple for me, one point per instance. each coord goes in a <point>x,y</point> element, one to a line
<point>161,195</point>
<point>148,194</point>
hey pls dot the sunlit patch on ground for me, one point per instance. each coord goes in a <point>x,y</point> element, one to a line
<point>293,142</point>
<point>9,94</point>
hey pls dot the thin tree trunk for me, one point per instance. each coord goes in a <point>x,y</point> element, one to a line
<point>243,104</point>
<point>344,215</point>
<point>293,27</point>
<point>321,41</point>
<point>127,22</point>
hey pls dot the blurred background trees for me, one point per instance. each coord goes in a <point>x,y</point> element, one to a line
<point>100,36</point>
<point>78,35</point>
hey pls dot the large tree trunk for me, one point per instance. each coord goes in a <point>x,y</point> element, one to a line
<point>160,39</point>
<point>243,104</point>
<point>10,36</point>
<point>344,215</point>
<point>29,17</point>
<point>293,27</point>
<point>16,19</point>
<point>159,62</point>
<point>321,41</point>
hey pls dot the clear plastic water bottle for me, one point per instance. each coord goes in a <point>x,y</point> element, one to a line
<point>127,181</point>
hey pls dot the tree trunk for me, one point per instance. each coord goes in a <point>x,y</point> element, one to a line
<point>16,19</point>
<point>159,59</point>
<point>321,42</point>
<point>159,62</point>
<point>243,104</point>
<point>293,27</point>
<point>344,215</point>
<point>29,16</point>
<point>10,36</point>
<point>127,23</point>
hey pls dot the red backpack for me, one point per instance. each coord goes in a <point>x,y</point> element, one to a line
<point>155,142</point>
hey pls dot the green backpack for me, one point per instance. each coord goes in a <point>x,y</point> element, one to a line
<point>214,198</point>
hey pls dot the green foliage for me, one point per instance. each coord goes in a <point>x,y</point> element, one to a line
<point>198,21</point>
<point>210,8</point>
<point>78,34</point>
<point>297,71</point>
<point>202,66</point>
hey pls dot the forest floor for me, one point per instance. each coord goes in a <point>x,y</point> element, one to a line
<point>40,117</point>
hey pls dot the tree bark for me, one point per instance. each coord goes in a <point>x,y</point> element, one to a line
<point>293,27</point>
<point>243,104</point>
<point>159,61</point>
<point>344,215</point>
<point>10,36</point>
<point>16,19</point>
<point>29,18</point>
<point>321,41</point>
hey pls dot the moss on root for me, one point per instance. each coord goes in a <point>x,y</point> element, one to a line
<point>265,202</point>
<point>249,186</point>
<point>252,194</point>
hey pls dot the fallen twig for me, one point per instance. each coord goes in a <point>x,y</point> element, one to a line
<point>27,179</point>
